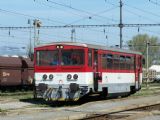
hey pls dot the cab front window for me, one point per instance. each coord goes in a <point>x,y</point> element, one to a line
<point>47,58</point>
<point>72,57</point>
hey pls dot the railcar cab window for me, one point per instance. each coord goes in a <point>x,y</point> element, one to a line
<point>72,57</point>
<point>47,58</point>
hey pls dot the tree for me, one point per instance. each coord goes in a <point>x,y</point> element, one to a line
<point>139,43</point>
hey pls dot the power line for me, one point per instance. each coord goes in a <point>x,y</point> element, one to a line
<point>145,11</point>
<point>79,10</point>
<point>91,17</point>
<point>121,25</point>
<point>4,36</point>
<point>51,38</point>
<point>155,32</point>
<point>155,3</point>
<point>82,26</point>
<point>146,18</point>
<point>16,37</point>
<point>13,28</point>
<point>30,16</point>
<point>88,17</point>
<point>57,8</point>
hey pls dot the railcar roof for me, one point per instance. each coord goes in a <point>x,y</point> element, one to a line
<point>91,46</point>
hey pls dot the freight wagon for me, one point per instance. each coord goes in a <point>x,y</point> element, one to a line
<point>15,72</point>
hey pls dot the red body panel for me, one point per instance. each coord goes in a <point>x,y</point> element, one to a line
<point>85,68</point>
<point>102,63</point>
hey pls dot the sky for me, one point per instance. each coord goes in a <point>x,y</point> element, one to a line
<point>16,13</point>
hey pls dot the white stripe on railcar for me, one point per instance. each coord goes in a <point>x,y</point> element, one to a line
<point>110,78</point>
<point>61,78</point>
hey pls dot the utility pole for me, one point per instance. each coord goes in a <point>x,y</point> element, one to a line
<point>35,33</point>
<point>37,24</point>
<point>30,39</point>
<point>147,63</point>
<point>73,36</point>
<point>121,24</point>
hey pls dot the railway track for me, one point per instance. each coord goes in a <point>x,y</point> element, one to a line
<point>102,110</point>
<point>128,113</point>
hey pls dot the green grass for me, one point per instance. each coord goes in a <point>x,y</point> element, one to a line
<point>17,95</point>
<point>27,96</point>
<point>151,84</point>
<point>2,111</point>
<point>153,88</point>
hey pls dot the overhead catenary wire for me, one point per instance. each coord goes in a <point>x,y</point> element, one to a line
<point>142,10</point>
<point>151,31</point>
<point>51,6</point>
<point>83,26</point>
<point>94,15</point>
<point>46,36</point>
<point>25,15</point>
<point>79,10</point>
<point>30,16</point>
<point>155,2</point>
<point>80,15</point>
<point>86,17</point>
<point>5,36</point>
<point>134,13</point>
<point>144,17</point>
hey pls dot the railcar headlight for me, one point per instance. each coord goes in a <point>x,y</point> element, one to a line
<point>75,76</point>
<point>51,76</point>
<point>44,77</point>
<point>69,76</point>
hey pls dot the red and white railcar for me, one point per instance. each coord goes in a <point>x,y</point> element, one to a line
<point>68,71</point>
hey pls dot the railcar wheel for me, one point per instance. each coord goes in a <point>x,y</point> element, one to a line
<point>132,89</point>
<point>104,93</point>
<point>34,93</point>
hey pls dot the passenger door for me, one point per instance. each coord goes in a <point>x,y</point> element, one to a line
<point>95,67</point>
<point>137,71</point>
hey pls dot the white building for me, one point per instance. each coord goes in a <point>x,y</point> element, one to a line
<point>157,69</point>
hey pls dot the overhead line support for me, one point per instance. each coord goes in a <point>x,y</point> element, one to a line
<point>82,26</point>
<point>121,24</point>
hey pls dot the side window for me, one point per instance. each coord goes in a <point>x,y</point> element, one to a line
<point>116,62</point>
<point>128,63</point>
<point>110,61</point>
<point>140,61</point>
<point>104,61</point>
<point>122,62</point>
<point>90,57</point>
<point>132,63</point>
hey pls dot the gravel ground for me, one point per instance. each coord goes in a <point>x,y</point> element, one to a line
<point>14,105</point>
<point>27,111</point>
<point>155,117</point>
<point>18,108</point>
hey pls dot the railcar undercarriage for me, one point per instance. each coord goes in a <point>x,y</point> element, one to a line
<point>61,92</point>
